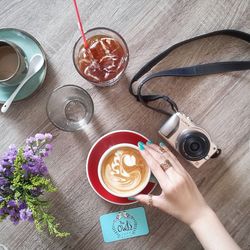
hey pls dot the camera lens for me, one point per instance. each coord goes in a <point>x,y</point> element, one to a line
<point>193,145</point>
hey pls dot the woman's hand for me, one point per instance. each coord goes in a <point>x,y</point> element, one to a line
<point>180,196</point>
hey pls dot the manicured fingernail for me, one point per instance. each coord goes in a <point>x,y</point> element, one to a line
<point>162,144</point>
<point>149,142</point>
<point>141,145</point>
<point>131,198</point>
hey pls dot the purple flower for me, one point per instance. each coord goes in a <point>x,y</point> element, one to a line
<point>13,148</point>
<point>27,148</point>
<point>12,203</point>
<point>9,171</point>
<point>9,158</point>
<point>48,136</point>
<point>43,153</point>
<point>28,153</point>
<point>43,170</point>
<point>35,165</point>
<point>2,211</point>
<point>48,147</point>
<point>5,162</point>
<point>36,158</point>
<point>40,137</point>
<point>30,140</point>
<point>12,211</point>
<point>17,210</point>
<point>3,181</point>
<point>25,167</point>
<point>21,205</point>
<point>34,152</point>
<point>15,219</point>
<point>25,214</point>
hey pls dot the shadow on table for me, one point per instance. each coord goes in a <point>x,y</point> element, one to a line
<point>84,136</point>
<point>114,95</point>
<point>96,126</point>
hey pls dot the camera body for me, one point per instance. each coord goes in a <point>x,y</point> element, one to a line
<point>189,140</point>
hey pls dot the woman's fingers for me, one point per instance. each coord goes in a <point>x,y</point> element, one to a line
<point>159,158</point>
<point>154,166</point>
<point>164,153</point>
<point>178,166</point>
<point>150,200</point>
<point>173,176</point>
<point>169,167</point>
<point>154,150</point>
<point>158,201</point>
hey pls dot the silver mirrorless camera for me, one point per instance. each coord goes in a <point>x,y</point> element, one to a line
<point>191,141</point>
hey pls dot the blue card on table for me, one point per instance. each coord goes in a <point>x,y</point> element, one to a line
<point>124,224</point>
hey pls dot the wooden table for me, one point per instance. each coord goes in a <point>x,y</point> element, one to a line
<point>220,103</point>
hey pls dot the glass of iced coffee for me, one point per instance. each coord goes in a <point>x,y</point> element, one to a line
<point>105,59</point>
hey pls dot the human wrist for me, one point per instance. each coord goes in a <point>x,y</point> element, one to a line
<point>211,232</point>
<point>205,216</point>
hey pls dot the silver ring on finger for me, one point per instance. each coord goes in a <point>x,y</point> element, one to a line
<point>150,200</point>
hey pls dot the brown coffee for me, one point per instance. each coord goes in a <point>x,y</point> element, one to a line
<point>124,170</point>
<point>8,62</point>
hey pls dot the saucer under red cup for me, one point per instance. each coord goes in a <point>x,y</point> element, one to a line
<point>95,154</point>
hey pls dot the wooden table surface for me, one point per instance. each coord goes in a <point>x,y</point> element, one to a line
<point>219,103</point>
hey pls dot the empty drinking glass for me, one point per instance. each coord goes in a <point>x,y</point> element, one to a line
<point>70,108</point>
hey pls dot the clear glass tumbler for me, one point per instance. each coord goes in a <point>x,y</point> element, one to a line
<point>70,108</point>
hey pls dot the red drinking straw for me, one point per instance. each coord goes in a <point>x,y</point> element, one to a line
<point>80,25</point>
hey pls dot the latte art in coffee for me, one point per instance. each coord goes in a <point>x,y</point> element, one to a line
<point>124,170</point>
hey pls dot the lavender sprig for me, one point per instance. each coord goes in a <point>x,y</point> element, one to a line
<point>23,179</point>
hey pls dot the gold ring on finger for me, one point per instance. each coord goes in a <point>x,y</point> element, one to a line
<point>166,165</point>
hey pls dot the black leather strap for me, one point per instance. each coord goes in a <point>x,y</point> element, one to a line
<point>196,70</point>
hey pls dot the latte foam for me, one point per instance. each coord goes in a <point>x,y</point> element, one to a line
<point>124,170</point>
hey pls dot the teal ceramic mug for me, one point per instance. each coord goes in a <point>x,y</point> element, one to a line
<point>13,64</point>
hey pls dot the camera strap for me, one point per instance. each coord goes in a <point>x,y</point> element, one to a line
<point>196,70</point>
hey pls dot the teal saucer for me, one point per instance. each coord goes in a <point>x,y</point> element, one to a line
<point>30,47</point>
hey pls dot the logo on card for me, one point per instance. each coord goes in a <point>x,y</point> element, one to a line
<point>124,224</point>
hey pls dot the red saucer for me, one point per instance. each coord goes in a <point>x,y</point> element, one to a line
<point>95,153</point>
